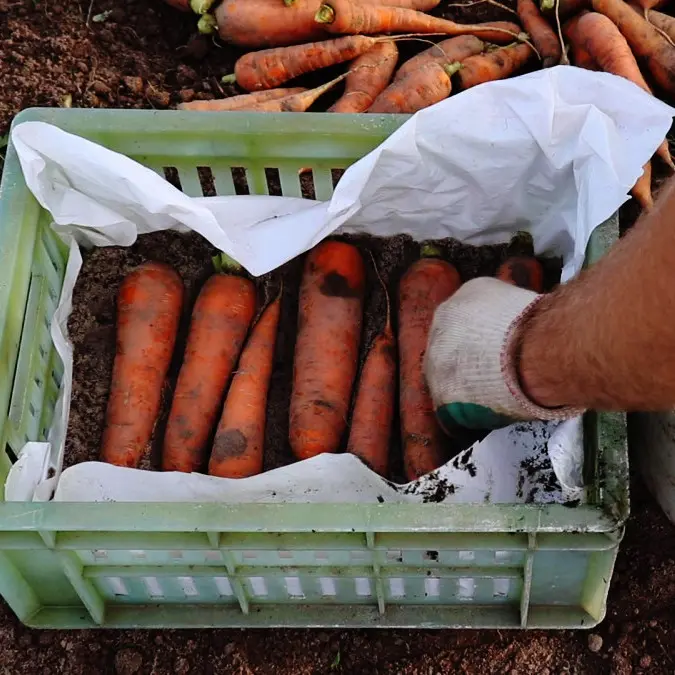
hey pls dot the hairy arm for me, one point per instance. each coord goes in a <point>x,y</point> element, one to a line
<point>607,339</point>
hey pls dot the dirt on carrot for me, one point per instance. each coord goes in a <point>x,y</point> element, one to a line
<point>92,327</point>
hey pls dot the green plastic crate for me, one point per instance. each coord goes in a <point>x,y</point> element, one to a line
<point>158,565</point>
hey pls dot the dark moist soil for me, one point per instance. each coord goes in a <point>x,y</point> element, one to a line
<point>92,326</point>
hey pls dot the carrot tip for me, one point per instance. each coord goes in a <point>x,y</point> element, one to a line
<point>207,24</point>
<point>224,263</point>
<point>326,14</point>
<point>229,79</point>
<point>201,6</point>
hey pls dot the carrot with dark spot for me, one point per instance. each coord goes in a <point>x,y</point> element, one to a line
<point>240,438</point>
<point>542,35</point>
<point>327,347</point>
<point>373,412</point>
<point>425,285</point>
<point>148,312</point>
<point>220,322</point>
<point>496,65</point>
<point>521,268</point>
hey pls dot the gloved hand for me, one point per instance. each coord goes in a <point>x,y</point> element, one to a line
<point>471,362</point>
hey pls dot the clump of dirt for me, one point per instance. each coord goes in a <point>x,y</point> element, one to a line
<point>92,325</point>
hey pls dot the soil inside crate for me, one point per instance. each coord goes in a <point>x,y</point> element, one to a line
<point>92,327</point>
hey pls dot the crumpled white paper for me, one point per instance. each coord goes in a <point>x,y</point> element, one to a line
<point>554,152</point>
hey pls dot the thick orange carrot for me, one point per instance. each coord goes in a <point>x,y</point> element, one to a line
<point>373,412</point>
<point>242,102</point>
<point>642,190</point>
<point>580,56</point>
<point>350,18</point>
<point>240,438</point>
<point>521,268</point>
<point>494,65</point>
<point>148,311</point>
<point>326,348</point>
<point>645,41</point>
<point>445,52</point>
<point>426,284</point>
<point>267,23</point>
<point>220,321</point>
<point>269,68</point>
<point>368,75</point>
<point>423,87</point>
<point>542,35</point>
<point>297,102</point>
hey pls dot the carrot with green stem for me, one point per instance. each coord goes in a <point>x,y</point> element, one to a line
<point>494,65</point>
<point>327,347</point>
<point>373,413</point>
<point>368,75</point>
<point>220,322</point>
<point>566,8</point>
<point>542,35</point>
<point>351,18</point>
<point>241,102</point>
<point>149,304</point>
<point>645,41</point>
<point>423,87</point>
<point>240,438</point>
<point>425,285</point>
<point>449,51</point>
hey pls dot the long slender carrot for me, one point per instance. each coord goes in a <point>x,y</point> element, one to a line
<point>521,268</point>
<point>373,412</point>
<point>495,65</point>
<point>220,321</point>
<point>426,284</point>
<point>445,52</point>
<point>642,190</point>
<point>297,102</point>
<point>600,37</point>
<point>240,437</point>
<point>580,56</point>
<point>645,41</point>
<point>269,68</point>
<point>419,5</point>
<point>423,87</point>
<point>351,18</point>
<point>326,348</point>
<point>368,75</point>
<point>241,102</point>
<point>542,35</point>
<point>267,23</point>
<point>148,311</point>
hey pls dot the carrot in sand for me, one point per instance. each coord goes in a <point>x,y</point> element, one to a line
<point>443,53</point>
<point>220,321</point>
<point>542,35</point>
<point>495,65</point>
<point>368,75</point>
<point>373,412</point>
<point>242,102</point>
<point>326,348</point>
<point>521,268</point>
<point>423,87</point>
<point>426,284</point>
<point>603,41</point>
<point>148,312</point>
<point>349,18</point>
<point>645,41</point>
<point>240,437</point>
<point>269,68</point>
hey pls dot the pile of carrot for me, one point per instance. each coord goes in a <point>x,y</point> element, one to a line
<point>342,397</point>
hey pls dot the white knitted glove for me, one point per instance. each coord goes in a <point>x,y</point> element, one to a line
<point>471,359</point>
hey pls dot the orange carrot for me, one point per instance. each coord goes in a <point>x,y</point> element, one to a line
<point>443,53</point>
<point>495,65</point>
<point>182,5</point>
<point>148,311</point>
<point>240,438</point>
<point>297,102</point>
<point>542,35</point>
<point>267,23</point>
<point>242,102</point>
<point>566,8</point>
<point>521,268</point>
<point>419,5</point>
<point>426,284</point>
<point>350,18</point>
<point>368,75</point>
<point>269,68</point>
<point>423,87</point>
<point>642,190</point>
<point>580,56</point>
<point>645,41</point>
<point>220,321</point>
<point>375,400</point>
<point>663,22</point>
<point>651,4</point>
<point>326,348</point>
